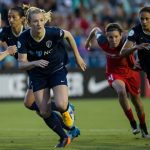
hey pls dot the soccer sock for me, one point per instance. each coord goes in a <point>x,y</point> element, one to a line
<point>53,106</point>
<point>129,115</point>
<point>34,107</point>
<point>62,123</point>
<point>54,123</point>
<point>142,118</point>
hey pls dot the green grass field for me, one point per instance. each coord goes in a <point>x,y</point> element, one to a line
<point>102,123</point>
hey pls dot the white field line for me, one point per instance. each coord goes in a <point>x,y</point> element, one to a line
<point>45,130</point>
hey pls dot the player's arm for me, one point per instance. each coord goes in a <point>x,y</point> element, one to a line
<point>92,34</point>
<point>11,50</point>
<point>23,62</point>
<point>73,45</point>
<point>129,47</point>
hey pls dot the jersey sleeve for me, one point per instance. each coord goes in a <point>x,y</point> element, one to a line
<point>21,44</point>
<point>3,35</point>
<point>132,35</point>
<point>102,40</point>
<point>58,33</point>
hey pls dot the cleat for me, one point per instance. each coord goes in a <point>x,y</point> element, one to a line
<point>71,112</point>
<point>68,116</point>
<point>134,128</point>
<point>144,131</point>
<point>67,119</point>
<point>135,131</point>
<point>63,142</point>
<point>71,106</point>
<point>73,133</point>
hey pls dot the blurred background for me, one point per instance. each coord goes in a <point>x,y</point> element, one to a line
<point>79,17</point>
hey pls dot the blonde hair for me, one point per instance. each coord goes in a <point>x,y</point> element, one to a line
<point>35,10</point>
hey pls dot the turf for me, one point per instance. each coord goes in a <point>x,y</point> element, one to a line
<point>102,123</point>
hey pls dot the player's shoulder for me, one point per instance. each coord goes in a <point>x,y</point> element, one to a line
<point>101,38</point>
<point>25,33</point>
<point>54,32</point>
<point>51,28</point>
<point>5,29</point>
<point>137,28</point>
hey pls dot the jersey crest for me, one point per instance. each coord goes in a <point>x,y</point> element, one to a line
<point>49,44</point>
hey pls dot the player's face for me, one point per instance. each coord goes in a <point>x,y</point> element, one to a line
<point>14,19</point>
<point>145,20</point>
<point>114,38</point>
<point>37,22</point>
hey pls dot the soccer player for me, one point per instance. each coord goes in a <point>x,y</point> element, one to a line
<point>139,39</point>
<point>120,74</point>
<point>9,35</point>
<point>46,67</point>
<point>11,50</point>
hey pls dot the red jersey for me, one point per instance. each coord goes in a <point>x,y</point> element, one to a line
<point>115,64</point>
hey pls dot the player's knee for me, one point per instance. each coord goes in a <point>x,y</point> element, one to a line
<point>26,104</point>
<point>61,106</point>
<point>121,92</point>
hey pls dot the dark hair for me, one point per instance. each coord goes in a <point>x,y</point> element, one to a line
<point>145,9</point>
<point>19,10</point>
<point>113,27</point>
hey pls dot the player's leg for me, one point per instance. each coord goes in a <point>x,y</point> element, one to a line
<point>42,96</point>
<point>58,83</point>
<point>141,114</point>
<point>148,75</point>
<point>72,132</point>
<point>29,102</point>
<point>61,101</point>
<point>120,89</point>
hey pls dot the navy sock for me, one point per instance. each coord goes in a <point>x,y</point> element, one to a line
<point>34,107</point>
<point>62,123</point>
<point>53,106</point>
<point>54,123</point>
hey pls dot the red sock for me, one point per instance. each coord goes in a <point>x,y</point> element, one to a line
<point>129,114</point>
<point>142,118</point>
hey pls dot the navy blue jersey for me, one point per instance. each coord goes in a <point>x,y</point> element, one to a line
<point>6,35</point>
<point>50,48</point>
<point>137,36</point>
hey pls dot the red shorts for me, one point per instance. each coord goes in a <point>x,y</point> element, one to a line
<point>132,81</point>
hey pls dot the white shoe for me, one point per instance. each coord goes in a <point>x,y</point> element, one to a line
<point>135,131</point>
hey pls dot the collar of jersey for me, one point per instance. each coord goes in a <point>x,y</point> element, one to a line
<point>39,39</point>
<point>17,35</point>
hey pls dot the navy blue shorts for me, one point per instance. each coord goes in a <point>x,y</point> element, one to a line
<point>57,78</point>
<point>30,86</point>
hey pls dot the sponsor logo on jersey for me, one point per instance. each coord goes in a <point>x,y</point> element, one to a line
<point>18,44</point>
<point>49,43</point>
<point>131,33</point>
<point>39,53</point>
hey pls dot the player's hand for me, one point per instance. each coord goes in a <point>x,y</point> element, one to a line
<point>87,45</point>
<point>81,63</point>
<point>41,63</point>
<point>142,46</point>
<point>12,50</point>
